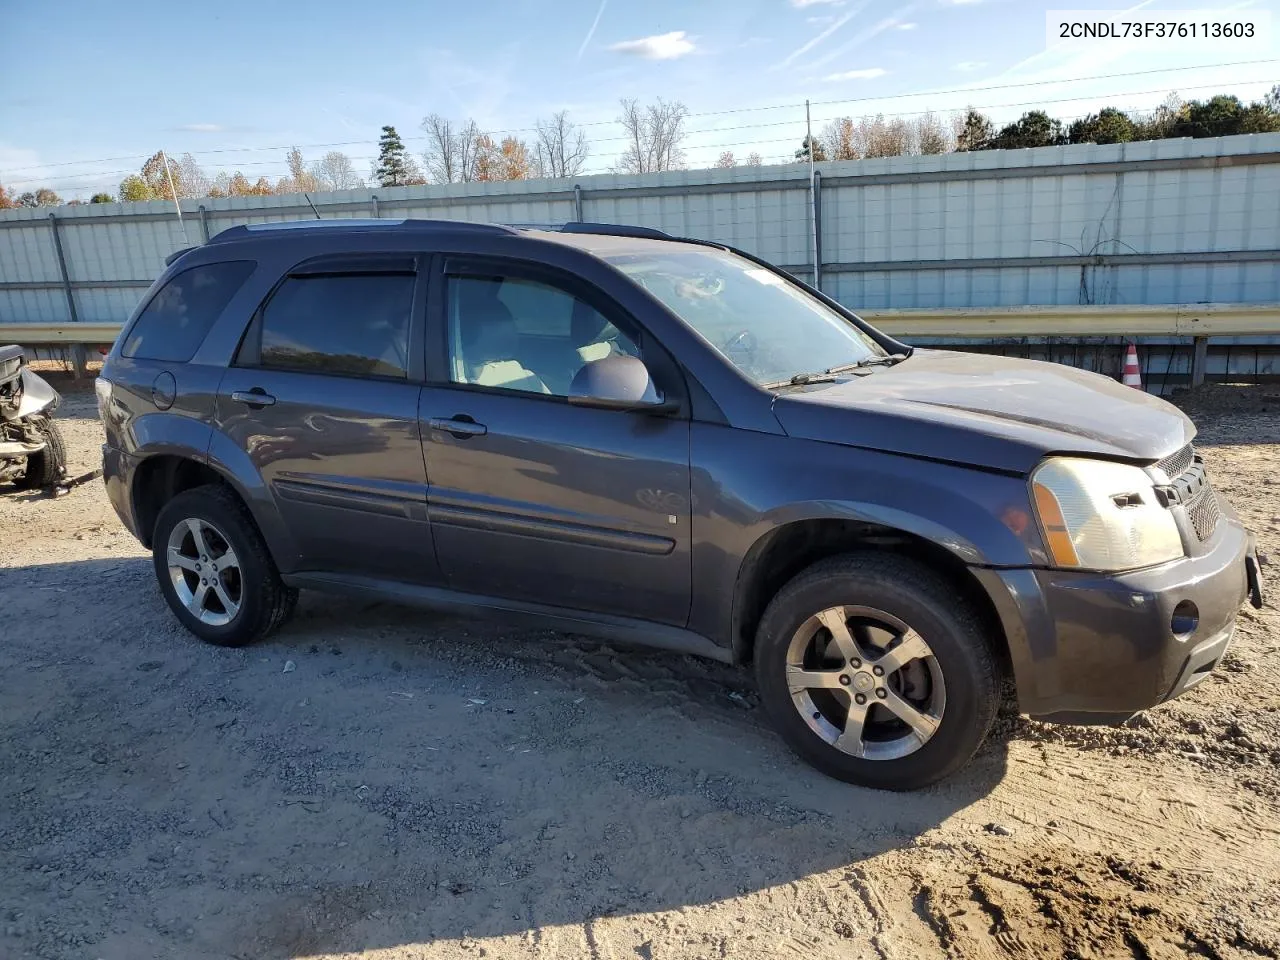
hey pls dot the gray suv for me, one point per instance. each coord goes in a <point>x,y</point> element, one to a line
<point>610,431</point>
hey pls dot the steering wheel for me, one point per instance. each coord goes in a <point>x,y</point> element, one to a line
<point>744,344</point>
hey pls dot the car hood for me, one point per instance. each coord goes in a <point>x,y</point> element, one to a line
<point>989,411</point>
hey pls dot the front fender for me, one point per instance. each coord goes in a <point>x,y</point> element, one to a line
<point>749,486</point>
<point>37,396</point>
<point>881,515</point>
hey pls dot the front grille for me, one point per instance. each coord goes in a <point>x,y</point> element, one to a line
<point>1176,463</point>
<point>1202,509</point>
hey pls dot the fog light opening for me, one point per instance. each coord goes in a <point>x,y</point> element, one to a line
<point>1186,617</point>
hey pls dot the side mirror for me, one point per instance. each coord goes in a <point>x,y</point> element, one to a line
<point>618,382</point>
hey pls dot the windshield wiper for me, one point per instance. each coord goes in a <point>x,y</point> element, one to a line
<point>888,360</point>
<point>833,373</point>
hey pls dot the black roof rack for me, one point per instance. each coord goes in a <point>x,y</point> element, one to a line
<point>616,230</point>
<point>245,232</point>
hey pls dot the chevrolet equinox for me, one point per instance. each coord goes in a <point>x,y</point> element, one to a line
<point>611,431</point>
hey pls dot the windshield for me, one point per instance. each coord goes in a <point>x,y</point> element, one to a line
<point>768,328</point>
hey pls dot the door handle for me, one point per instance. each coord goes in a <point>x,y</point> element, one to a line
<point>460,426</point>
<point>257,397</point>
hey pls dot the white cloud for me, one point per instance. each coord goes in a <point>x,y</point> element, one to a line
<point>663,46</point>
<point>967,66</point>
<point>819,21</point>
<point>961,3</point>
<point>906,26</point>
<point>870,73</point>
<point>801,4</point>
<point>202,127</point>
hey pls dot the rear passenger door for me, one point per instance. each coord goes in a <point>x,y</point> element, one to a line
<point>323,396</point>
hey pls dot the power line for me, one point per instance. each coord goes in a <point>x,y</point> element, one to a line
<point>66,182</point>
<point>709,113</point>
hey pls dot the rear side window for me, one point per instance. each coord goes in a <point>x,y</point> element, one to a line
<point>347,324</point>
<point>177,319</point>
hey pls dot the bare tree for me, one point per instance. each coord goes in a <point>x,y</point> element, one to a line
<point>840,140</point>
<point>441,156</point>
<point>452,151</point>
<point>560,149</point>
<point>754,159</point>
<point>334,171</point>
<point>725,160</point>
<point>191,179</point>
<point>654,136</point>
<point>930,135</point>
<point>878,137</point>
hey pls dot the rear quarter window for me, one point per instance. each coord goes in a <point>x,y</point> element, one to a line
<point>177,319</point>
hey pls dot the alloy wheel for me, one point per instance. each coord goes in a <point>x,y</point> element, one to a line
<point>865,682</point>
<point>205,571</point>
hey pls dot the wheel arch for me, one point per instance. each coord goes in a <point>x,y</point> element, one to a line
<point>159,478</point>
<point>790,547</point>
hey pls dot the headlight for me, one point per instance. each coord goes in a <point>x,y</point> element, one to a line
<point>1102,516</point>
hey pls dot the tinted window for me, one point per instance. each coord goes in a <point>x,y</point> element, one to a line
<point>353,324</point>
<point>176,320</point>
<point>520,334</point>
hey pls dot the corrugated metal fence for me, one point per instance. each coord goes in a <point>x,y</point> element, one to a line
<point>1170,221</point>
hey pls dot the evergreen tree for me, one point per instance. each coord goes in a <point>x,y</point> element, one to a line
<point>973,130</point>
<point>819,151</point>
<point>394,168</point>
<point>1034,128</point>
<point>1109,125</point>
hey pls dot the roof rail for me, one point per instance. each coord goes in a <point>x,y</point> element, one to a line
<point>616,230</point>
<point>245,231</point>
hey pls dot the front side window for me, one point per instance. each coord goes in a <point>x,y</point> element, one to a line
<point>180,315</point>
<point>346,324</point>
<point>521,334</point>
<point>766,326</point>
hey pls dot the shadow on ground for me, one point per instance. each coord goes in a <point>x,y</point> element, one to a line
<point>377,776</point>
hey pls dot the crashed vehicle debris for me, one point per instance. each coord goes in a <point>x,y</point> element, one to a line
<point>32,453</point>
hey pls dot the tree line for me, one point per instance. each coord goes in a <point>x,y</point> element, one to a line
<point>655,139</point>
<point>866,137</point>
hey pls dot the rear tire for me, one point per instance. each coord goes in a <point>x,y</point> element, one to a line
<point>215,571</point>
<point>46,468</point>
<point>919,722</point>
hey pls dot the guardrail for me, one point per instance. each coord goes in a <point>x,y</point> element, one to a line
<point>1171,320</point>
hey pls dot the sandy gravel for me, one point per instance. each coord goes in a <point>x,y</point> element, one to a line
<point>383,783</point>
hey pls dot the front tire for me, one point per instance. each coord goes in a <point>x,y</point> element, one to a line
<point>46,468</point>
<point>876,671</point>
<point>215,571</point>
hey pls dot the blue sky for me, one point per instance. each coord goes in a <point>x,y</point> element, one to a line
<point>88,89</point>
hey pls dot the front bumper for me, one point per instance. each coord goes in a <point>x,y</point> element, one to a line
<point>1097,648</point>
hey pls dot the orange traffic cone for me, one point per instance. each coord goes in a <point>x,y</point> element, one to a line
<point>1132,376</point>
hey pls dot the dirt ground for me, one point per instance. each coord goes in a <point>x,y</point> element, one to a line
<point>382,783</point>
